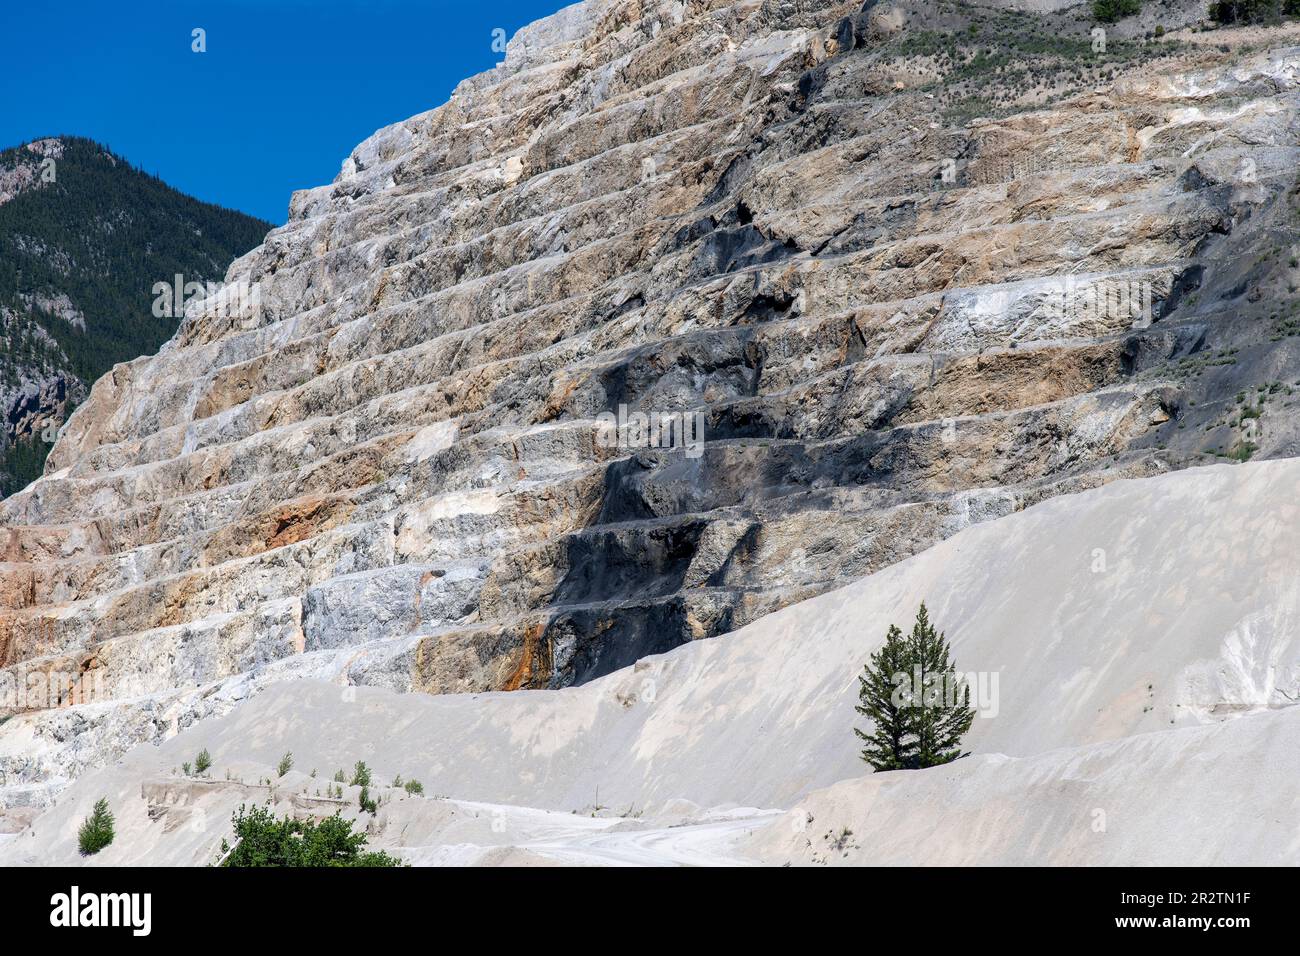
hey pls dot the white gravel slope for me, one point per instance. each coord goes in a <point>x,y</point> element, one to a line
<point>1219,795</point>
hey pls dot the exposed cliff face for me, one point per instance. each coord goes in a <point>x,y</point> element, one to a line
<point>34,407</point>
<point>36,385</point>
<point>895,318</point>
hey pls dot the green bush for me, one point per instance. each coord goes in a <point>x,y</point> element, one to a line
<point>367,804</point>
<point>1109,11</point>
<point>360,775</point>
<point>286,764</point>
<point>203,761</point>
<point>97,830</point>
<point>265,841</point>
<point>414,787</point>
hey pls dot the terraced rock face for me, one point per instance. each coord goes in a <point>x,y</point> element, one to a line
<point>904,287</point>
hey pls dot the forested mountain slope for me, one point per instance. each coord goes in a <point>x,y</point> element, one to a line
<point>84,237</point>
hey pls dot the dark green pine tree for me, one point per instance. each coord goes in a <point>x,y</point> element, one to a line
<point>96,830</point>
<point>943,715</point>
<point>887,746</point>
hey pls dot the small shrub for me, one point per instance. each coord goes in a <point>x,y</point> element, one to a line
<point>203,761</point>
<point>841,841</point>
<point>286,764</point>
<point>367,804</point>
<point>97,830</point>
<point>361,775</point>
<point>339,776</point>
<point>414,787</point>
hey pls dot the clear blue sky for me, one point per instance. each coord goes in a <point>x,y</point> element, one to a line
<point>284,91</point>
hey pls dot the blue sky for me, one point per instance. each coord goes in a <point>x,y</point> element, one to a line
<point>284,91</point>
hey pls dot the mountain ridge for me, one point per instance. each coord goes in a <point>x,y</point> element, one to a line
<point>84,236</point>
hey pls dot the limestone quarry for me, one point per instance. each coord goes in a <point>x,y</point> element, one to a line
<point>1014,335</point>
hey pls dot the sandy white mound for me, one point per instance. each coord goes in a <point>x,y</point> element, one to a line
<point>1219,795</point>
